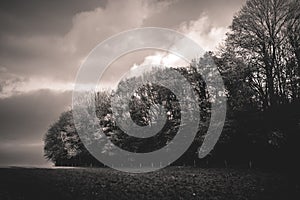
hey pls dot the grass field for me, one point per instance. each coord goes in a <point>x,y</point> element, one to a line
<point>170,183</point>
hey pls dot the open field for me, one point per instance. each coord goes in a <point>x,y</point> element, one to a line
<point>171,183</point>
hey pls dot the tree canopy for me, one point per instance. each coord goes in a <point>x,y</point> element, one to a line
<point>260,66</point>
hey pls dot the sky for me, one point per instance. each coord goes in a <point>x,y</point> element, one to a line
<point>43,43</point>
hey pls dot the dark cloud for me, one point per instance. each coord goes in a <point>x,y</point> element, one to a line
<point>49,39</point>
<point>24,119</point>
<point>59,56</point>
<point>30,35</point>
<point>32,17</point>
<point>220,12</point>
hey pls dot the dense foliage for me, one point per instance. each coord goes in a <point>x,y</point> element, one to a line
<point>260,66</point>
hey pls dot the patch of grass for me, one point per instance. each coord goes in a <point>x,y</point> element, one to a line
<point>170,183</point>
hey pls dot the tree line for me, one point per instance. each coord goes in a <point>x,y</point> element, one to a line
<point>260,66</point>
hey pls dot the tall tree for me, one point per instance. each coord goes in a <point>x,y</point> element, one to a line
<point>261,35</point>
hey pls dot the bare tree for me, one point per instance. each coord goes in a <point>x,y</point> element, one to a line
<point>262,36</point>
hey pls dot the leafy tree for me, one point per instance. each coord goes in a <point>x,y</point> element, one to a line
<point>63,145</point>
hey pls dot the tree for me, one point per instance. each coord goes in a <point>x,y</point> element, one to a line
<point>262,35</point>
<point>63,145</point>
<point>260,68</point>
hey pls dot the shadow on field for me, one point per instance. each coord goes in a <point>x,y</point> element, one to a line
<point>170,183</point>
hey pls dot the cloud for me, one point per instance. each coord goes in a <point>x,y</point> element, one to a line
<point>42,58</point>
<point>12,84</point>
<point>41,16</point>
<point>219,12</point>
<point>9,82</point>
<point>24,119</point>
<point>57,58</point>
<point>90,28</point>
<point>23,116</point>
<point>202,31</point>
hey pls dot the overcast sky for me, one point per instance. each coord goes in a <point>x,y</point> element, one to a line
<point>43,43</point>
